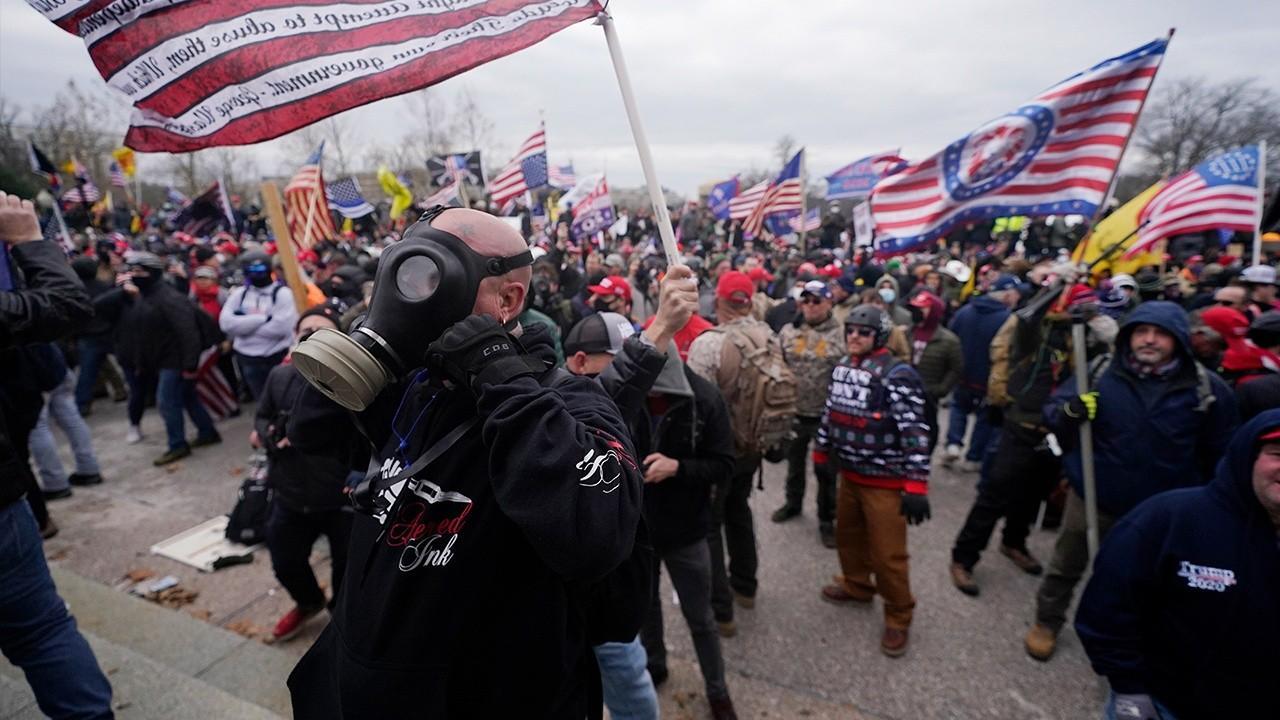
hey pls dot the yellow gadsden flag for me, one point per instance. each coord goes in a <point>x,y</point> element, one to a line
<point>124,158</point>
<point>1119,225</point>
<point>400,196</point>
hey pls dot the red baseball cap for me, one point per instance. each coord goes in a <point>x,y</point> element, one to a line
<point>759,273</point>
<point>1274,434</point>
<point>735,287</point>
<point>612,285</point>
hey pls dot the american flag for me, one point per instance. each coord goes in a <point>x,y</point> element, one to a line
<point>740,207</point>
<point>526,171</point>
<point>1054,155</point>
<point>812,221</point>
<point>212,388</point>
<point>561,176</point>
<point>447,196</point>
<point>345,197</point>
<point>1219,193</point>
<point>269,74</point>
<point>306,206</point>
<point>784,197</point>
<point>117,175</point>
<point>84,192</point>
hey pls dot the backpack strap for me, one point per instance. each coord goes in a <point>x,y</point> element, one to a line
<point>1204,390</point>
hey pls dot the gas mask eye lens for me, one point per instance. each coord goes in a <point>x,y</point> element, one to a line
<point>418,277</point>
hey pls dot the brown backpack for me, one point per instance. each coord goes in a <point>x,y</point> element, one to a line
<point>758,387</point>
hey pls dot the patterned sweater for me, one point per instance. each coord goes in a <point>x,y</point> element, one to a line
<point>874,426</point>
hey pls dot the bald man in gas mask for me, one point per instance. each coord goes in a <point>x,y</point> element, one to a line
<point>503,488</point>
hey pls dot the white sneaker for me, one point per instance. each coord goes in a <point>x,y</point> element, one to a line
<point>134,436</point>
<point>951,454</point>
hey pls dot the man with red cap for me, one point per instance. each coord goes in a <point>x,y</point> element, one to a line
<point>760,300</point>
<point>613,294</point>
<point>717,355</point>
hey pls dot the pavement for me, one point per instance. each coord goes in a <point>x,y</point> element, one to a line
<point>794,656</point>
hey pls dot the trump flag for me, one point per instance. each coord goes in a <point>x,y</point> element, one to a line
<point>234,72</point>
<point>1055,154</point>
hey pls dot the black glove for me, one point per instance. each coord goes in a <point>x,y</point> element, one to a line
<point>915,508</point>
<point>474,351</point>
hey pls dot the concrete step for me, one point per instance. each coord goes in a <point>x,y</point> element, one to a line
<point>163,663</point>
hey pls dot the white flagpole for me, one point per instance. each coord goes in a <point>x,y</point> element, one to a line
<point>1262,201</point>
<point>804,236</point>
<point>62,224</point>
<point>660,215</point>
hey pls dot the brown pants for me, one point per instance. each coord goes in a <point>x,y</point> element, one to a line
<point>871,538</point>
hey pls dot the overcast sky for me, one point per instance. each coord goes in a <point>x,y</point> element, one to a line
<point>719,81</point>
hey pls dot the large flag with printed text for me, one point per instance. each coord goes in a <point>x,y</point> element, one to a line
<point>1054,155</point>
<point>205,73</point>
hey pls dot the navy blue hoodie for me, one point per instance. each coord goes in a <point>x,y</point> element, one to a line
<point>977,324</point>
<point>1184,603</point>
<point>1148,436</point>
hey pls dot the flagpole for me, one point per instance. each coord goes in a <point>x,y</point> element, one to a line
<point>1262,201</point>
<point>660,215</point>
<point>62,224</point>
<point>804,237</point>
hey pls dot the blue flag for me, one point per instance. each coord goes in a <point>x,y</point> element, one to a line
<point>719,197</point>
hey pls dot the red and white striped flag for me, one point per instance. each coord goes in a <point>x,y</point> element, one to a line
<point>306,207</point>
<point>526,171</point>
<point>1221,192</point>
<point>784,196</point>
<point>740,207</point>
<point>212,388</point>
<point>233,72</point>
<point>117,175</point>
<point>1055,155</point>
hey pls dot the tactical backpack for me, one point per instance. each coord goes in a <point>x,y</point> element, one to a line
<point>762,399</point>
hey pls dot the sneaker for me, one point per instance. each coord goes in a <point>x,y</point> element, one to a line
<point>83,479</point>
<point>727,628</point>
<point>962,578</point>
<point>746,602</point>
<point>722,709</point>
<point>172,456</point>
<point>56,494</point>
<point>827,534</point>
<point>894,642</point>
<point>134,436</point>
<point>213,439</point>
<point>969,466</point>
<point>836,594</point>
<point>292,622</point>
<point>1041,642</point>
<point>785,513</point>
<point>1023,559</point>
<point>951,454</point>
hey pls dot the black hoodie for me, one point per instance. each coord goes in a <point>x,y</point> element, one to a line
<point>1184,603</point>
<point>464,593</point>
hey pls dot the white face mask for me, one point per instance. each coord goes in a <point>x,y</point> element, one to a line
<point>888,295</point>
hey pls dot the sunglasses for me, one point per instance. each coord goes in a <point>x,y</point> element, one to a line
<point>811,300</point>
<point>860,331</point>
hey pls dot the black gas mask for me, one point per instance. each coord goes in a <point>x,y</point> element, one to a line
<point>425,283</point>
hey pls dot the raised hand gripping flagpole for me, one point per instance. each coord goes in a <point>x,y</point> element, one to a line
<point>660,214</point>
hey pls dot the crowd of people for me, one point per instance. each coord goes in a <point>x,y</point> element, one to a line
<point>563,417</point>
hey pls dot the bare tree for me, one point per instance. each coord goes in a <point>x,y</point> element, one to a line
<point>335,133</point>
<point>14,175</point>
<point>187,172</point>
<point>784,148</point>
<point>474,128</point>
<point>1191,118</point>
<point>84,124</point>
<point>431,130</point>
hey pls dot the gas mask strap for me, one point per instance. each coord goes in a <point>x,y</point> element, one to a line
<point>503,265</point>
<point>431,213</point>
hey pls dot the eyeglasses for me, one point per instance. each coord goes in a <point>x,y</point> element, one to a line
<point>860,331</point>
<point>811,300</point>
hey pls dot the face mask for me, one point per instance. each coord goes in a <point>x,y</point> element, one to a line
<point>602,305</point>
<point>888,295</point>
<point>145,282</point>
<point>258,275</point>
<point>425,283</point>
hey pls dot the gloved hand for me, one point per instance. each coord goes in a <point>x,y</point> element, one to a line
<point>476,350</point>
<point>1082,407</point>
<point>915,508</point>
<point>1135,707</point>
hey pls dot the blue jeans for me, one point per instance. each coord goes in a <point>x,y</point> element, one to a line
<point>173,394</point>
<point>628,689</point>
<point>37,633</point>
<point>61,408</point>
<point>93,353</point>
<point>1165,713</point>
<point>254,370</point>
<point>965,401</point>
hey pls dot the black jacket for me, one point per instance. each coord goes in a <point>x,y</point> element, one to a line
<point>324,445</point>
<point>47,301</point>
<point>463,592</point>
<point>1182,603</point>
<point>158,330</point>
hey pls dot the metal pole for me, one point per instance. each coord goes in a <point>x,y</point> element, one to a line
<point>1081,362</point>
<point>660,215</point>
<point>1262,201</point>
<point>804,236</point>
